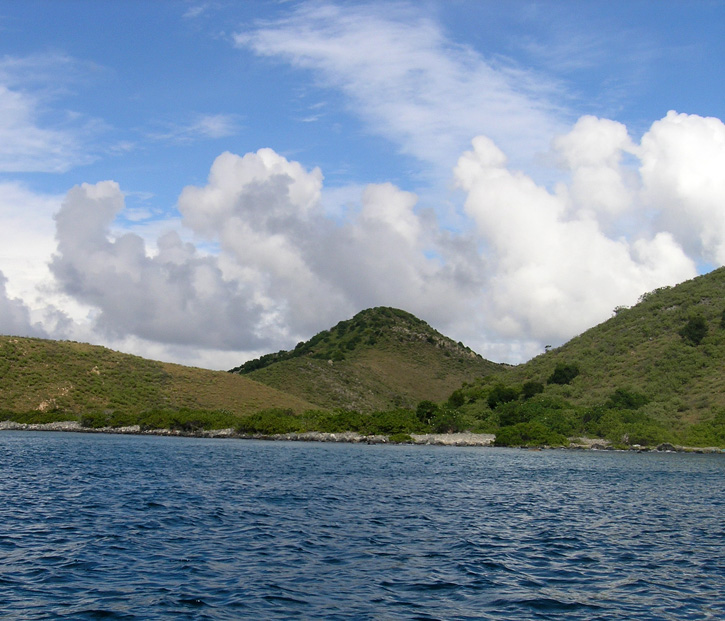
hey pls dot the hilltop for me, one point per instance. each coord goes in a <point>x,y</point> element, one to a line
<point>380,359</point>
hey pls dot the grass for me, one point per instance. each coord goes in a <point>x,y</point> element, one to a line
<point>63,380</point>
<point>382,358</point>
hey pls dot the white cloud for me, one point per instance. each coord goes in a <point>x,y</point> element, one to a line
<point>175,297</point>
<point>15,315</point>
<point>28,147</point>
<point>203,126</point>
<point>555,270</point>
<point>683,159</point>
<point>31,141</point>
<point>538,267</point>
<point>409,83</point>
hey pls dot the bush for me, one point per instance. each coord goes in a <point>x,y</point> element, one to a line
<point>694,330</point>
<point>530,389</point>
<point>457,399</point>
<point>563,373</point>
<point>447,421</point>
<point>501,394</point>
<point>529,434</point>
<point>426,411</point>
<point>270,422</point>
<point>624,399</point>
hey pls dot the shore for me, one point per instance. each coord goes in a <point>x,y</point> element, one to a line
<point>429,439</point>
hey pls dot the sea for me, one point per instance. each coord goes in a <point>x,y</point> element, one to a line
<point>96,526</point>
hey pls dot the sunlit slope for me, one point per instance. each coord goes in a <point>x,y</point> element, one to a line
<point>76,378</point>
<point>380,359</point>
<point>652,348</point>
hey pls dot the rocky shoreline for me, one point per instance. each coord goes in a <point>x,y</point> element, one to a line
<point>430,439</point>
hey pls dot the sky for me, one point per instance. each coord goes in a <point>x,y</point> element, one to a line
<point>205,182</point>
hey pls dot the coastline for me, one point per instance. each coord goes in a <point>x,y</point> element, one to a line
<point>351,437</point>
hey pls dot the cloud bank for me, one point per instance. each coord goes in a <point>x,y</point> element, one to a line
<point>538,266</point>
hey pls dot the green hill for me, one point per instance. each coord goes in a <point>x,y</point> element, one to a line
<point>647,349</point>
<point>380,359</point>
<point>653,372</point>
<point>51,380</point>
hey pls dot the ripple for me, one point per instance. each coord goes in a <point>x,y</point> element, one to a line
<point>156,528</point>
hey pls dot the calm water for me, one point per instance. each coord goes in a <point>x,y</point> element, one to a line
<point>126,527</point>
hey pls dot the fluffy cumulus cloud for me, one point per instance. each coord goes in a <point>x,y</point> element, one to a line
<point>537,265</point>
<point>15,315</point>
<point>177,296</point>
<point>683,159</point>
<point>556,271</point>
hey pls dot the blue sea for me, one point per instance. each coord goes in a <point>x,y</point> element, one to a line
<point>144,527</point>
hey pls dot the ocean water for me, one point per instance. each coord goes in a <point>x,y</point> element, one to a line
<point>139,527</point>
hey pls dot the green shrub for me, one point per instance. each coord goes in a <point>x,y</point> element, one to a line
<point>529,434</point>
<point>426,411</point>
<point>501,394</point>
<point>694,330</point>
<point>530,389</point>
<point>447,420</point>
<point>400,438</point>
<point>563,373</point>
<point>270,422</point>
<point>625,399</point>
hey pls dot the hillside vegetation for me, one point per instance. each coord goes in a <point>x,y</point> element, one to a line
<point>43,380</point>
<point>651,373</point>
<point>380,359</point>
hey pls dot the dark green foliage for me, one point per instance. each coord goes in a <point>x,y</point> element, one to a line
<point>271,422</point>
<point>531,388</point>
<point>447,420</point>
<point>626,399</point>
<point>563,373</point>
<point>36,417</point>
<point>694,330</point>
<point>426,411</point>
<point>501,394</point>
<point>529,434</point>
<point>457,399</point>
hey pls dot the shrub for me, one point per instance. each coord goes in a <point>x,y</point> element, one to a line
<point>530,389</point>
<point>563,373</point>
<point>694,330</point>
<point>426,411</point>
<point>529,434</point>
<point>457,399</point>
<point>447,421</point>
<point>624,399</point>
<point>501,394</point>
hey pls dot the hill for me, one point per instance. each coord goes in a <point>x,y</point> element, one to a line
<point>651,373</point>
<point>380,359</point>
<point>670,347</point>
<point>61,379</point>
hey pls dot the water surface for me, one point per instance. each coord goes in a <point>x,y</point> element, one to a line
<point>139,527</point>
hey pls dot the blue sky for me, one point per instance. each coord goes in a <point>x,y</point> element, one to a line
<point>203,182</point>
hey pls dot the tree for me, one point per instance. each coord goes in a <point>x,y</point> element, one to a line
<point>694,330</point>
<point>501,394</point>
<point>529,389</point>
<point>563,373</point>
